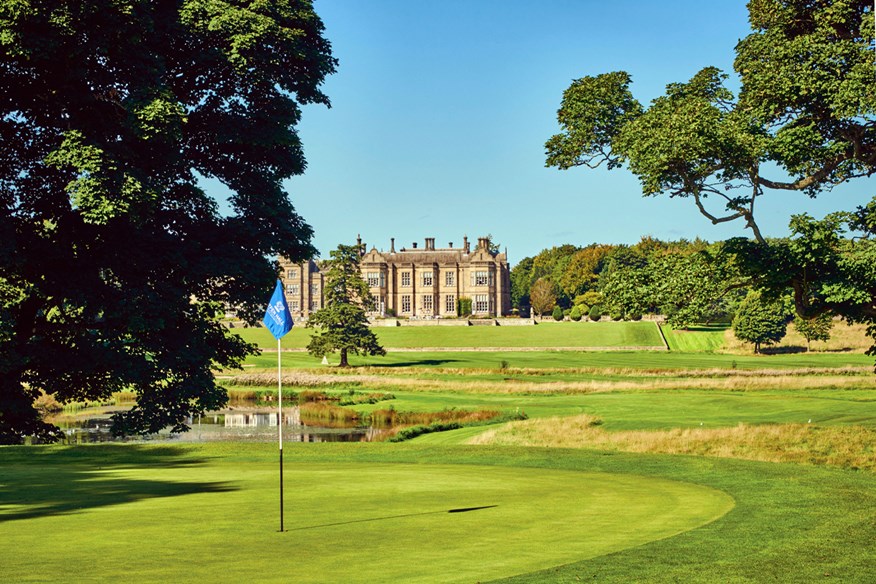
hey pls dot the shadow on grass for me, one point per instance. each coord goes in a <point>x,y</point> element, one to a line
<point>40,482</point>
<point>417,362</point>
<point>388,517</point>
<point>786,350</point>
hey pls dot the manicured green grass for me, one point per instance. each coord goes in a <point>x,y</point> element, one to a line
<point>378,513</point>
<point>574,359</point>
<point>156,515</point>
<point>696,339</point>
<point>566,334</point>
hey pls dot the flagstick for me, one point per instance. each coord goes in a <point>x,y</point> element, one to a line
<point>280,424</point>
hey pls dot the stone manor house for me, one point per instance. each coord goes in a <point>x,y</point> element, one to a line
<point>418,282</point>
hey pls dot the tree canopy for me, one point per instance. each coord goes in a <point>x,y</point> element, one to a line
<point>760,320</point>
<point>804,120</point>
<point>113,260</point>
<point>807,105</point>
<point>341,324</point>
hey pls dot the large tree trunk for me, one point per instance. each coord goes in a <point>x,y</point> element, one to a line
<point>343,362</point>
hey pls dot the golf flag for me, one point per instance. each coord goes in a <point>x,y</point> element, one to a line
<point>278,319</point>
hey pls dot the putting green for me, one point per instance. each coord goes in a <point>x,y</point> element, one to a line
<point>346,522</point>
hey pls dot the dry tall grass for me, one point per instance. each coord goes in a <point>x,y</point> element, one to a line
<point>723,380</point>
<point>843,337</point>
<point>851,447</point>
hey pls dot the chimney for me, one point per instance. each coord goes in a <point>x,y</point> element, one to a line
<point>430,244</point>
<point>450,245</point>
<point>391,245</point>
<point>465,247</point>
<point>482,243</point>
<point>415,245</point>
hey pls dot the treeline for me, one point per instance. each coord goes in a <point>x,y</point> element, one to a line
<point>685,281</point>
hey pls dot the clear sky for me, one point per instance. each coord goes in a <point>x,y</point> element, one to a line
<point>440,111</point>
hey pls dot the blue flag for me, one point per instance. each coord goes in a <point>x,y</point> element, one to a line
<point>277,316</point>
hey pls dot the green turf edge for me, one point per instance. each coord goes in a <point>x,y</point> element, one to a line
<point>791,523</point>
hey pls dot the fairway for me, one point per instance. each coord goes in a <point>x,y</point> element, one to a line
<point>545,335</point>
<point>210,512</point>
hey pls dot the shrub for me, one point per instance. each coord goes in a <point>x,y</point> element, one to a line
<point>463,306</point>
<point>617,315</point>
<point>635,316</point>
<point>557,313</point>
<point>575,314</point>
<point>595,313</point>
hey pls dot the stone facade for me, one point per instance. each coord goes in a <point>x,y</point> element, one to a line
<point>418,282</point>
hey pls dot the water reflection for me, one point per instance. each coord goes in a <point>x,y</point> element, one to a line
<point>251,425</point>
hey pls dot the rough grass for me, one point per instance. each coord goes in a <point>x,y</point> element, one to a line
<point>843,338</point>
<point>849,447</point>
<point>609,380</point>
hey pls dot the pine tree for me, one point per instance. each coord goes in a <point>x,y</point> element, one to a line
<point>342,325</point>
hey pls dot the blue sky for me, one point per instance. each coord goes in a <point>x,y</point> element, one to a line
<point>440,111</point>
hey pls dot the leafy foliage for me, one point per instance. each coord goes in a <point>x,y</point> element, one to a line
<point>816,328</point>
<point>806,112</point>
<point>595,313</point>
<point>557,313</point>
<point>760,320</point>
<point>463,306</point>
<point>113,261</point>
<point>542,296</point>
<point>342,325</point>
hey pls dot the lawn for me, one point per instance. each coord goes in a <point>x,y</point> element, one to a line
<point>380,513</point>
<point>566,334</point>
<point>629,360</point>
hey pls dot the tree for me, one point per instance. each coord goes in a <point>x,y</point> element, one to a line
<point>342,325</point>
<point>113,260</point>
<point>690,287</point>
<point>557,313</point>
<point>816,328</point>
<point>576,314</point>
<point>804,120</point>
<point>583,269</point>
<point>542,296</point>
<point>760,321</point>
<point>521,282</point>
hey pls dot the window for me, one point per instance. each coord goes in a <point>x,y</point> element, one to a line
<point>314,289</point>
<point>373,279</point>
<point>480,278</point>
<point>450,303</point>
<point>292,289</point>
<point>481,303</point>
<point>427,303</point>
<point>293,274</point>
<point>314,305</point>
<point>406,280</point>
<point>427,278</point>
<point>294,306</point>
<point>406,303</point>
<point>448,279</point>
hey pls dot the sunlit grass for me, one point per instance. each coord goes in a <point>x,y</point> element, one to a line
<point>850,447</point>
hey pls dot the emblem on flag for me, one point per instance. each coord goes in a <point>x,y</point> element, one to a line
<point>278,319</point>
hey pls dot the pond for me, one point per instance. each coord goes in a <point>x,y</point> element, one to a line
<point>258,425</point>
